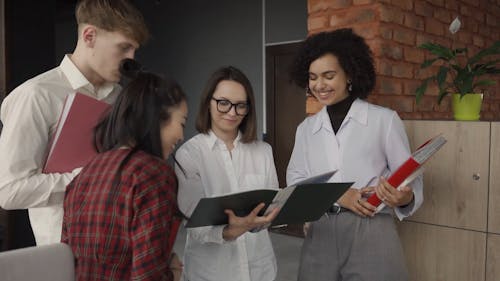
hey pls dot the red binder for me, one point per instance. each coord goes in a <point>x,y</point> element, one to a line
<point>72,145</point>
<point>415,161</point>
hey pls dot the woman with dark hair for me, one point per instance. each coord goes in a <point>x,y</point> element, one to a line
<point>120,212</point>
<point>226,157</point>
<point>364,143</point>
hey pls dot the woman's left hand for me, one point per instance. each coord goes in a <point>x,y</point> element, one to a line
<point>391,196</point>
<point>239,225</point>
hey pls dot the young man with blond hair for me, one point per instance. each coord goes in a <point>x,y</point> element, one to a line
<point>108,31</point>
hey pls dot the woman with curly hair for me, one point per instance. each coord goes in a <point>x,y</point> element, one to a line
<point>364,143</point>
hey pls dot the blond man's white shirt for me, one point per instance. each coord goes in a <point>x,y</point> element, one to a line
<point>29,115</point>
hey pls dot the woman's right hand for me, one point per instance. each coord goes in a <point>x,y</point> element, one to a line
<point>239,225</point>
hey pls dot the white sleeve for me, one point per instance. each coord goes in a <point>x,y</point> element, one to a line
<point>191,190</point>
<point>397,151</point>
<point>297,167</point>
<point>23,147</point>
<point>271,175</point>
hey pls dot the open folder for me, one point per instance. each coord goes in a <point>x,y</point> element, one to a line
<point>305,201</point>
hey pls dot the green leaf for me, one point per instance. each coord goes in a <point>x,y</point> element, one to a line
<point>492,50</point>
<point>420,91</point>
<point>438,50</point>
<point>466,87</point>
<point>457,68</point>
<point>441,76</point>
<point>428,63</point>
<point>493,70</point>
<point>484,83</point>
<point>460,50</point>
<point>442,94</point>
<point>464,76</point>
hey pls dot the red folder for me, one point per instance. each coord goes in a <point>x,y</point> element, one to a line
<point>72,145</point>
<point>415,161</point>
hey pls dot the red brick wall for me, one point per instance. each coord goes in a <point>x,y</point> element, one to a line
<point>394,29</point>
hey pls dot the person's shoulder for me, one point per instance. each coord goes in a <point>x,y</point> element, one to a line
<point>379,110</point>
<point>144,157</point>
<point>44,80</point>
<point>148,173</point>
<point>37,88</point>
<point>145,163</point>
<point>259,146</point>
<point>193,148</point>
<point>194,144</point>
<point>311,120</point>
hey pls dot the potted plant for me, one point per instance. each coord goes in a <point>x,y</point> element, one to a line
<point>460,74</point>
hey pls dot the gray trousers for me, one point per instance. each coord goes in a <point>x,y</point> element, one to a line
<point>347,247</point>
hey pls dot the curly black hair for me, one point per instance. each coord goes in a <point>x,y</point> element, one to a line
<point>352,52</point>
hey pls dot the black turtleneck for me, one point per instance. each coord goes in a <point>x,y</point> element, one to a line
<point>338,111</point>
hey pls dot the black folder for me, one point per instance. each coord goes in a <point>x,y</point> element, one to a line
<point>303,202</point>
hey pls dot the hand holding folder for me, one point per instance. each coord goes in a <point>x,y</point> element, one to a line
<point>410,168</point>
<point>306,201</point>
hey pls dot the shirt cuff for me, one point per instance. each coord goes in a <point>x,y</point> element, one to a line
<point>406,210</point>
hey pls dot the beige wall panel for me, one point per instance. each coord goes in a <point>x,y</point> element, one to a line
<point>494,204</point>
<point>440,253</point>
<point>493,258</point>
<point>456,177</point>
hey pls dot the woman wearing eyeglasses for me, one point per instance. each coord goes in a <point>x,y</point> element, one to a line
<point>226,157</point>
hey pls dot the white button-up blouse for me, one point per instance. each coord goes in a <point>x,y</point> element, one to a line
<point>371,142</point>
<point>211,170</point>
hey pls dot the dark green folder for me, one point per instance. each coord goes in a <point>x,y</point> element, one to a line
<point>308,202</point>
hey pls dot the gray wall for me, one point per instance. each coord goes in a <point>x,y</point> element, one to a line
<point>286,20</point>
<point>191,38</point>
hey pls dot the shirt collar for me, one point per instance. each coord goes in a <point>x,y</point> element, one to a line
<point>322,121</point>
<point>213,140</point>
<point>358,112</point>
<point>79,82</point>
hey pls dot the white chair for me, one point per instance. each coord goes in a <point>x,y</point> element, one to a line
<point>49,262</point>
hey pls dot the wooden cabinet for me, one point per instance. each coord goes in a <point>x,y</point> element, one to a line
<point>493,257</point>
<point>443,253</point>
<point>455,234</point>
<point>494,202</point>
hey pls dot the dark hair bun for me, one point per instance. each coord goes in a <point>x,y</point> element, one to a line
<point>130,68</point>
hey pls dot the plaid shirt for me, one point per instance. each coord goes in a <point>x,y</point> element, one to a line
<point>123,231</point>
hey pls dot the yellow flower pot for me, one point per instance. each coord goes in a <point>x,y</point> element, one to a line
<point>468,107</point>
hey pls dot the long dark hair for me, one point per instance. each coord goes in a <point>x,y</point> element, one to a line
<point>137,115</point>
<point>139,111</point>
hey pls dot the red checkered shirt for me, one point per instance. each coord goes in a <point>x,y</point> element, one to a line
<point>122,231</point>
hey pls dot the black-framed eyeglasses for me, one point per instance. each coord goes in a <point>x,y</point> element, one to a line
<point>224,106</point>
